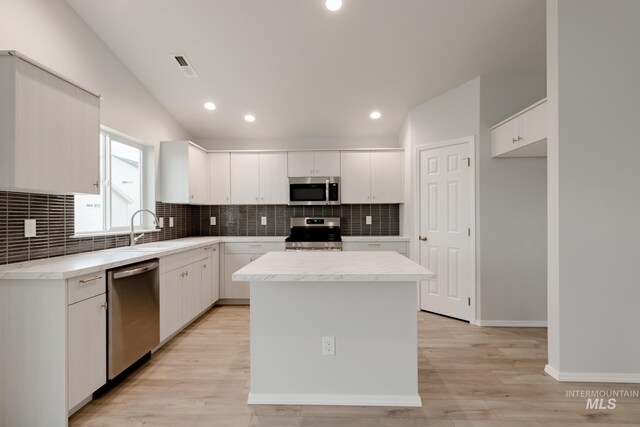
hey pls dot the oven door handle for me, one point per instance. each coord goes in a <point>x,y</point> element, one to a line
<point>327,190</point>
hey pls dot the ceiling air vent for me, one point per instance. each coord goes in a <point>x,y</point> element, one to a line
<point>184,65</point>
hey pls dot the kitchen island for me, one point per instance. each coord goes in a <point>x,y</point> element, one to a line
<point>334,328</point>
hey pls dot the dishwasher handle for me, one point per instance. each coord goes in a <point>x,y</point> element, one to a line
<point>138,270</point>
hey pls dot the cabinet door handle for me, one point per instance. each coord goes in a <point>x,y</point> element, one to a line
<point>375,244</point>
<point>93,279</point>
<point>104,306</point>
<point>423,238</point>
<point>514,140</point>
<point>97,184</point>
<point>520,138</point>
<point>204,266</point>
<point>255,244</point>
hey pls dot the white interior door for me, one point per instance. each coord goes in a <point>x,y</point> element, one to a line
<point>445,243</point>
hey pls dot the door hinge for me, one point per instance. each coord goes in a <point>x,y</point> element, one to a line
<point>468,159</point>
<point>468,231</point>
<point>469,300</point>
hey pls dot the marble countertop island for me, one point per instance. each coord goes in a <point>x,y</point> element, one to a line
<point>321,266</point>
<point>334,328</point>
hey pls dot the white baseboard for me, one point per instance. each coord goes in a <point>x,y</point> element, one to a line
<point>335,399</point>
<point>513,323</point>
<point>591,377</point>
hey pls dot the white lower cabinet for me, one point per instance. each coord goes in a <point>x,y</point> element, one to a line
<point>87,347</point>
<point>189,284</point>
<point>210,276</point>
<point>401,246</point>
<point>170,303</point>
<point>191,292</point>
<point>236,256</point>
<point>233,263</point>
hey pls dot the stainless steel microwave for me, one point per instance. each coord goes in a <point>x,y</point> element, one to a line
<point>314,191</point>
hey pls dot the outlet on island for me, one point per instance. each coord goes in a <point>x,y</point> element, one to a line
<point>328,346</point>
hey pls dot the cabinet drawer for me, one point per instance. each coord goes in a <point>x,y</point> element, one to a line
<point>208,251</point>
<point>253,248</point>
<point>171,262</point>
<point>87,286</point>
<point>400,247</point>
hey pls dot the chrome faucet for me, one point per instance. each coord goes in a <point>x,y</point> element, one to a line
<point>133,239</point>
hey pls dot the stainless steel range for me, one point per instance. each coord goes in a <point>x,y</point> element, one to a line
<point>314,234</point>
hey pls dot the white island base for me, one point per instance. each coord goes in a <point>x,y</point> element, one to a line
<point>298,298</point>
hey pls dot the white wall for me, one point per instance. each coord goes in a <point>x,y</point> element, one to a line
<point>594,204</point>
<point>510,193</point>
<point>511,210</point>
<point>297,143</point>
<point>452,115</point>
<point>50,32</point>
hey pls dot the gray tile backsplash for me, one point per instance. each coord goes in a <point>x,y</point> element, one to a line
<point>245,220</point>
<point>54,217</point>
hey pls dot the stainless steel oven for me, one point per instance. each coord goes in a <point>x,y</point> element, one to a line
<point>314,191</point>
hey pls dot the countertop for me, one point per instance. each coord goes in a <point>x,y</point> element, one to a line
<point>68,266</point>
<point>333,267</point>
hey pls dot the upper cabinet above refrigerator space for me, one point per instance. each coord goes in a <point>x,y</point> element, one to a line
<point>49,130</point>
<point>522,135</point>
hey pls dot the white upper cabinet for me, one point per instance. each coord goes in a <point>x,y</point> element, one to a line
<point>523,134</point>
<point>371,176</point>
<point>259,178</point>
<point>301,163</point>
<point>44,122</point>
<point>185,173</point>
<point>355,177</point>
<point>198,176</point>
<point>274,183</point>
<point>314,163</point>
<point>245,178</point>
<point>386,176</point>
<point>219,178</point>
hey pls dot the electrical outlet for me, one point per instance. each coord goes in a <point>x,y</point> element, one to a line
<point>368,219</point>
<point>263,220</point>
<point>170,221</point>
<point>212,220</point>
<point>328,346</point>
<point>161,222</point>
<point>29,228</point>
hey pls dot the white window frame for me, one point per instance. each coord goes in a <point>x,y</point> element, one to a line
<point>147,184</point>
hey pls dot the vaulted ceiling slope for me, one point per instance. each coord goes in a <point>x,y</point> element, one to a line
<point>304,71</point>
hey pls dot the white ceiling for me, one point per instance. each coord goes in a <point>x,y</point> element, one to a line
<point>306,72</point>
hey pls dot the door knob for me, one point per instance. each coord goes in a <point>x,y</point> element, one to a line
<point>423,238</point>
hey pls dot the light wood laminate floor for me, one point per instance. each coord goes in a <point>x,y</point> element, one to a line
<point>469,377</point>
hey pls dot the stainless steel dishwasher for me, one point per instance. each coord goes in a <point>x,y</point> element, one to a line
<point>133,313</point>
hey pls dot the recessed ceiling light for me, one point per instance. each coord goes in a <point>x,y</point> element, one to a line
<point>210,106</point>
<point>333,5</point>
<point>375,115</point>
<point>250,118</point>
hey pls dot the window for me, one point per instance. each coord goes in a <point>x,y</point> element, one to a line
<point>121,188</point>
